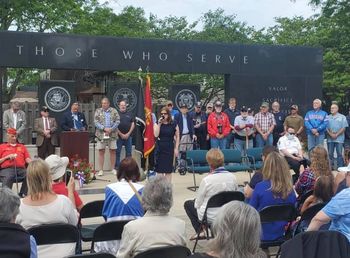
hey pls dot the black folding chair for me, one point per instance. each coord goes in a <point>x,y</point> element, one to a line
<point>58,233</point>
<point>94,255</point>
<point>108,231</point>
<point>216,201</point>
<point>89,210</point>
<point>306,217</point>
<point>277,213</point>
<point>166,252</point>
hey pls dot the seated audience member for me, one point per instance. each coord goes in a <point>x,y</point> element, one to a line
<point>340,178</point>
<point>13,158</point>
<point>218,180</point>
<point>122,200</point>
<point>15,240</point>
<point>289,146</point>
<point>319,166</point>
<point>276,188</point>
<point>257,177</point>
<point>337,211</point>
<point>58,168</point>
<point>43,206</point>
<point>323,193</point>
<point>157,228</point>
<point>237,231</point>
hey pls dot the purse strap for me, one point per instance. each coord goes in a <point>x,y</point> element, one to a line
<point>136,192</point>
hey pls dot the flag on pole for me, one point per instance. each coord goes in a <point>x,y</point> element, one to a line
<point>149,141</point>
<point>140,120</point>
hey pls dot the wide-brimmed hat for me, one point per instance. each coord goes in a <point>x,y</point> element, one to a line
<point>57,165</point>
<point>344,169</point>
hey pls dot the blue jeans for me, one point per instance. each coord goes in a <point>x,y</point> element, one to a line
<point>313,141</point>
<point>260,142</point>
<point>229,139</point>
<point>218,143</point>
<point>241,145</point>
<point>128,146</point>
<point>339,149</point>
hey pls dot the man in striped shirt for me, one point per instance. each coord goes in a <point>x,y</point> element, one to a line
<point>264,123</point>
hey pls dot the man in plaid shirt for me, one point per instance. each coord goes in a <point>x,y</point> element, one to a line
<point>264,123</point>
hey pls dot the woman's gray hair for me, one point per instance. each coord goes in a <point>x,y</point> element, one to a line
<point>157,195</point>
<point>9,205</point>
<point>237,231</point>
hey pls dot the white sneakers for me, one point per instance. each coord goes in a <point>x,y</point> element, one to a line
<point>100,173</point>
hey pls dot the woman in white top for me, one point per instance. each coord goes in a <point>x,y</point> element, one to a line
<point>218,180</point>
<point>43,206</point>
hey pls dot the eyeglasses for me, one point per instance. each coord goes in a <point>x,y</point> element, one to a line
<point>291,133</point>
<point>163,113</point>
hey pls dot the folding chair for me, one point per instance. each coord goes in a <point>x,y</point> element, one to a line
<point>94,255</point>
<point>216,201</point>
<point>255,157</point>
<point>277,213</point>
<point>196,159</point>
<point>108,231</point>
<point>166,252</point>
<point>234,161</point>
<point>58,233</point>
<point>89,210</point>
<point>306,217</point>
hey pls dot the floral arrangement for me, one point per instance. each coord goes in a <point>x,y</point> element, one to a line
<point>82,170</point>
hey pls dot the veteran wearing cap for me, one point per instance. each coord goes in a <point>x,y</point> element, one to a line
<point>199,120</point>
<point>218,127</point>
<point>264,123</point>
<point>46,128</point>
<point>244,127</point>
<point>13,159</point>
<point>185,123</point>
<point>295,121</point>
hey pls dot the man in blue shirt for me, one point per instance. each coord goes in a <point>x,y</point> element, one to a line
<point>278,130</point>
<point>316,122</point>
<point>232,113</point>
<point>335,139</point>
<point>185,123</point>
<point>170,106</point>
<point>337,211</point>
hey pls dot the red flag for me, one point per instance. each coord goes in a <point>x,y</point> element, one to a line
<point>149,141</point>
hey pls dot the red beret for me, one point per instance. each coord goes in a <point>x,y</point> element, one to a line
<point>11,131</point>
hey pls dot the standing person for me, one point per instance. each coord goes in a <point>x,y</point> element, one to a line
<point>347,133</point>
<point>295,121</point>
<point>185,123</point>
<point>13,159</point>
<point>218,127</point>
<point>169,104</point>
<point>276,188</point>
<point>168,137</point>
<point>232,113</point>
<point>244,127</point>
<point>337,124</point>
<point>106,122</point>
<point>209,109</point>
<point>278,130</point>
<point>74,120</point>
<point>14,118</point>
<point>199,119</point>
<point>316,122</point>
<point>46,128</point>
<point>124,130</point>
<point>264,123</point>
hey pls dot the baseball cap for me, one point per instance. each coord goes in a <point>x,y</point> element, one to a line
<point>294,107</point>
<point>264,104</point>
<point>183,105</point>
<point>11,131</point>
<point>57,165</point>
<point>244,109</point>
<point>45,109</point>
<point>169,102</point>
<point>198,104</point>
<point>218,103</point>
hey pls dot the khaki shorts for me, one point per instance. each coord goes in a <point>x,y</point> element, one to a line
<point>111,144</point>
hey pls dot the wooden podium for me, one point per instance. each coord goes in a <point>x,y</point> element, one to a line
<point>75,143</point>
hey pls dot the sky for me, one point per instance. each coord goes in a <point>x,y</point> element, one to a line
<point>257,13</point>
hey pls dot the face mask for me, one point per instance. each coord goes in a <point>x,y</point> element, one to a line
<point>290,137</point>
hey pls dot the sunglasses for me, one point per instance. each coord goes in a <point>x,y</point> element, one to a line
<point>291,133</point>
<point>163,113</point>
